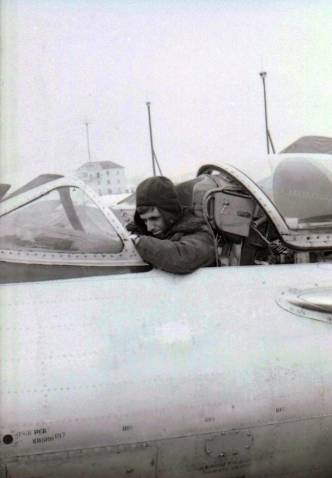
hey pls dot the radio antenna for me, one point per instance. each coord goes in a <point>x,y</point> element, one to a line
<point>268,136</point>
<point>87,138</point>
<point>153,154</point>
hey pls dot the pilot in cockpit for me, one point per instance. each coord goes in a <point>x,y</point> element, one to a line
<point>166,235</point>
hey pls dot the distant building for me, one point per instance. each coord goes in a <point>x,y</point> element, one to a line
<point>104,177</point>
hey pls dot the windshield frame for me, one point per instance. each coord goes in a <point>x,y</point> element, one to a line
<point>127,257</point>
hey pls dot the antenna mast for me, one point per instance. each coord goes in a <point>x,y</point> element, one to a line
<point>268,136</point>
<point>153,154</point>
<point>88,140</point>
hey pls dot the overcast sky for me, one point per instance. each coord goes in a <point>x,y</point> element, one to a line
<point>65,62</point>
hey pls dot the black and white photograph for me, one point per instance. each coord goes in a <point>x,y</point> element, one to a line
<point>165,238</point>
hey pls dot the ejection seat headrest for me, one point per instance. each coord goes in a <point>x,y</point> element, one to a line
<point>191,193</point>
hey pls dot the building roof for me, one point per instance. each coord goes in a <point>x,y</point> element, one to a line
<point>131,199</point>
<point>100,164</point>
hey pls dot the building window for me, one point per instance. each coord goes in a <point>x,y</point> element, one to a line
<point>85,175</point>
<point>98,175</point>
<point>117,171</point>
<point>109,191</point>
<point>119,190</point>
<point>99,190</point>
<point>118,181</point>
<point>107,173</point>
<point>108,181</point>
<point>91,176</point>
<point>98,183</point>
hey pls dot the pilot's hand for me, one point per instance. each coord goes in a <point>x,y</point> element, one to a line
<point>135,238</point>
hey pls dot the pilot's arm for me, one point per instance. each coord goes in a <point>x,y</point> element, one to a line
<point>182,256</point>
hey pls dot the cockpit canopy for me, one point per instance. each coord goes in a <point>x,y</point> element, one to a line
<point>300,188</point>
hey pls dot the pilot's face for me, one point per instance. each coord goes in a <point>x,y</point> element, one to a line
<point>154,222</point>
